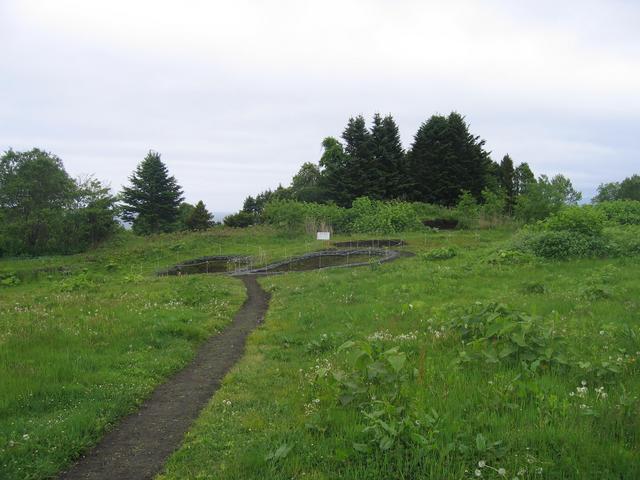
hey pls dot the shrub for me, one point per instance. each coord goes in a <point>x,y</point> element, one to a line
<point>623,241</point>
<point>493,207</point>
<point>572,232</point>
<point>621,212</point>
<point>294,216</point>
<point>584,220</point>
<point>494,333</point>
<point>377,385</point>
<point>373,216</point>
<point>365,216</point>
<point>240,220</point>
<point>467,211</point>
<point>561,244</point>
<point>8,279</point>
<point>442,253</point>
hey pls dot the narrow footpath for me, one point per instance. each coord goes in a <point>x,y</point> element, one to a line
<point>139,446</point>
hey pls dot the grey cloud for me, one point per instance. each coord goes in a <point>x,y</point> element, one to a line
<point>237,101</point>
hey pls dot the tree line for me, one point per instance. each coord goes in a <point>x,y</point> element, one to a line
<point>43,210</point>
<point>444,161</point>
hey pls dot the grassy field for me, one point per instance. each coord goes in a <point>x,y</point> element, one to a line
<point>358,374</point>
<point>387,371</point>
<point>85,338</point>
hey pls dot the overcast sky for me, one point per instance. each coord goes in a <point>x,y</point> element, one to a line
<point>236,95</point>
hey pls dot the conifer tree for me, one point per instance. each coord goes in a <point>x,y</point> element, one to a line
<point>387,156</point>
<point>357,177</point>
<point>152,201</point>
<point>199,218</point>
<point>507,174</point>
<point>445,159</point>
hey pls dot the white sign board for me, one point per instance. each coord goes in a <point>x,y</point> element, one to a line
<point>323,236</point>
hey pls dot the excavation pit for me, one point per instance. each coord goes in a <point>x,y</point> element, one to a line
<point>377,243</point>
<point>326,259</point>
<point>213,264</point>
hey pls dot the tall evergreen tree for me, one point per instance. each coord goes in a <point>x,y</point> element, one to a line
<point>426,160</point>
<point>200,218</point>
<point>358,178</point>
<point>507,174</point>
<point>470,160</point>
<point>445,159</point>
<point>387,157</point>
<point>152,201</point>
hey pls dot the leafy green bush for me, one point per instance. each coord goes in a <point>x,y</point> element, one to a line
<point>372,216</point>
<point>585,220</point>
<point>294,216</point>
<point>467,211</point>
<point>494,333</point>
<point>442,253</point>
<point>623,241</point>
<point>365,216</point>
<point>8,279</point>
<point>560,245</point>
<point>571,232</point>
<point>377,383</point>
<point>622,212</point>
<point>81,282</point>
<point>240,220</point>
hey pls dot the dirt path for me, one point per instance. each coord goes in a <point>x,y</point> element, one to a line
<point>141,443</point>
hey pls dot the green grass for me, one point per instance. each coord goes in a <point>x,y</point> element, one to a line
<point>83,346</point>
<point>273,418</point>
<point>85,338</point>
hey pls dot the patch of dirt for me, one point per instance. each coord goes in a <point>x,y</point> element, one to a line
<point>140,444</point>
<point>379,243</point>
<point>213,264</point>
<point>327,259</point>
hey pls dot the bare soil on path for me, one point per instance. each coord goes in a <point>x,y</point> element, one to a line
<point>138,447</point>
<point>140,444</point>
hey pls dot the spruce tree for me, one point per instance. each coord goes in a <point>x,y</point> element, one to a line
<point>426,160</point>
<point>358,178</point>
<point>387,156</point>
<point>152,201</point>
<point>200,218</point>
<point>470,161</point>
<point>445,159</point>
<point>507,174</point>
